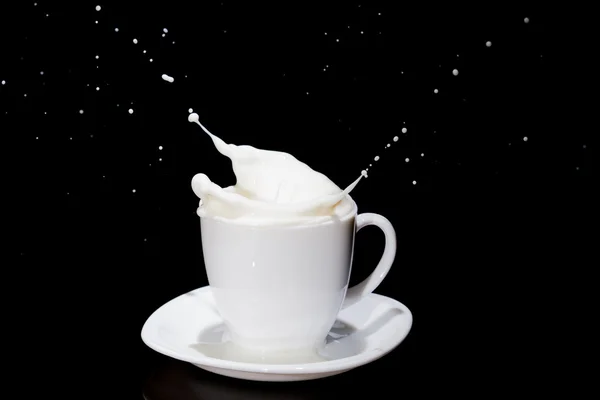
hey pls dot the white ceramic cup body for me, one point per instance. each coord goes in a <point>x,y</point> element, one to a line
<point>280,288</point>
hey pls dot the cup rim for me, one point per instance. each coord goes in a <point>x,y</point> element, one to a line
<point>297,224</point>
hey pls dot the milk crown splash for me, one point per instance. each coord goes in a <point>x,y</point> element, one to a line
<point>271,187</point>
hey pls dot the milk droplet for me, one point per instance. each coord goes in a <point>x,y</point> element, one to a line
<point>144,51</point>
<point>133,190</point>
<point>404,130</point>
<point>131,111</point>
<point>435,90</point>
<point>488,43</point>
<point>395,138</point>
<point>190,111</point>
<point>455,72</point>
<point>96,21</point>
<point>150,60</point>
<point>160,159</point>
<point>98,8</point>
<point>362,32</point>
<point>325,33</point>
<point>388,145</point>
<point>116,29</point>
<point>376,158</point>
<point>337,40</point>
<point>97,56</point>
<point>165,30</point>
<point>41,72</point>
<point>422,154</point>
<point>525,139</point>
<point>167,77</point>
<point>364,173</point>
<point>414,182</point>
<point>526,20</point>
<point>370,165</point>
<point>163,35</point>
<point>160,147</point>
<point>135,41</point>
<point>4,82</point>
<point>407,159</point>
<point>80,111</point>
<point>97,88</point>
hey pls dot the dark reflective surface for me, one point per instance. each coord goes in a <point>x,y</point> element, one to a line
<point>178,380</point>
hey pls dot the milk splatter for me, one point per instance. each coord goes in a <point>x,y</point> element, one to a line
<point>271,187</point>
<point>167,77</point>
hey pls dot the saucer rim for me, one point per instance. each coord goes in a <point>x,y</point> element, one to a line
<point>282,369</point>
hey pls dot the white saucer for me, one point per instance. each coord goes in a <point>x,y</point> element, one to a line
<point>189,328</point>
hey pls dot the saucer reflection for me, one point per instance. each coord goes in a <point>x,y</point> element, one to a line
<point>177,380</point>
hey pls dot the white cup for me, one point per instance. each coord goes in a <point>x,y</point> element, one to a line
<point>280,288</point>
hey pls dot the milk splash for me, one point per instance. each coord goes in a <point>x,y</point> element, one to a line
<point>272,188</point>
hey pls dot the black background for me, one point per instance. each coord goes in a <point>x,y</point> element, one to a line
<point>489,209</point>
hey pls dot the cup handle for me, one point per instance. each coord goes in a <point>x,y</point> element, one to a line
<point>357,292</point>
